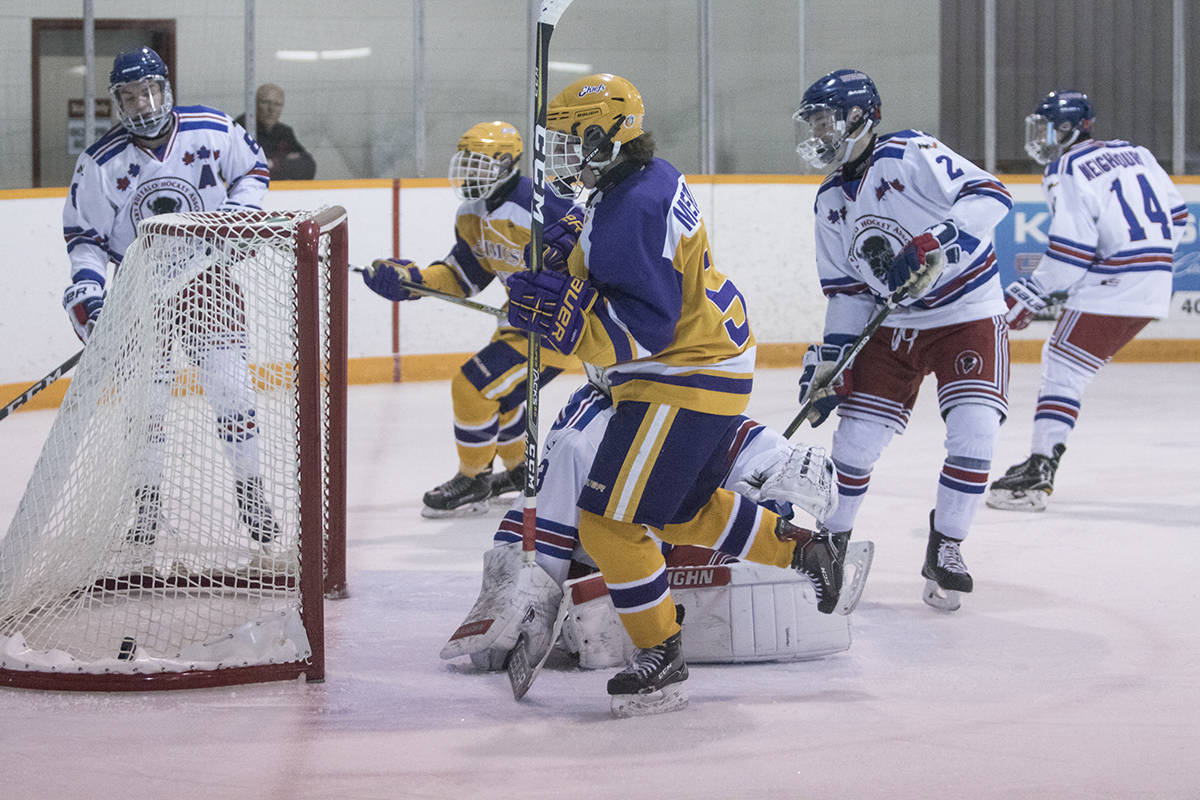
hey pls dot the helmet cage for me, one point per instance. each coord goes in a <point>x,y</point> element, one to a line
<point>148,119</point>
<point>477,175</point>
<point>564,163</point>
<point>823,137</point>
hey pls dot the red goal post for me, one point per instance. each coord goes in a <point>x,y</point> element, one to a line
<point>187,515</point>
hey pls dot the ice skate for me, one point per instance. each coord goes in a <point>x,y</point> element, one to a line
<point>945,570</point>
<point>509,481</point>
<point>1028,485</point>
<point>653,681</point>
<point>145,524</point>
<point>820,556</point>
<point>255,511</point>
<point>461,496</point>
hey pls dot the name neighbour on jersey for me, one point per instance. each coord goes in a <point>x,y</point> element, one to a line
<point>685,209</point>
<point>1097,165</point>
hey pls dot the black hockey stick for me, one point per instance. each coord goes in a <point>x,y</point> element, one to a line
<point>523,666</point>
<point>450,298</point>
<point>27,395</point>
<point>889,306</point>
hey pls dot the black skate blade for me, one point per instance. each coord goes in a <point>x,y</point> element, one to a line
<point>667,699</point>
<point>941,599</point>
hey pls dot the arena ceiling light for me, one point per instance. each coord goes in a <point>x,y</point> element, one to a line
<point>570,66</point>
<point>322,55</point>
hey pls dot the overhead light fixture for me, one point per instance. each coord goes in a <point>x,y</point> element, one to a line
<point>570,66</point>
<point>322,55</point>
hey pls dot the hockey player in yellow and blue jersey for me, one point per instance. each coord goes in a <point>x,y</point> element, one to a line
<point>491,231</point>
<point>668,336</point>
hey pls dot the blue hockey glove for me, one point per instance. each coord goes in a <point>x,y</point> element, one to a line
<point>558,240</point>
<point>552,304</point>
<point>83,301</point>
<point>383,278</point>
<point>923,259</point>
<point>1024,300</point>
<point>819,361</point>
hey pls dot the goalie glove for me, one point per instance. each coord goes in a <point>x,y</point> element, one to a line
<point>819,361</point>
<point>1024,300</point>
<point>552,304</point>
<point>83,301</point>
<point>922,260</point>
<point>558,240</point>
<point>383,278</point>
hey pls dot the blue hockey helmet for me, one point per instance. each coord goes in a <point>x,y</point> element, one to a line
<point>1062,118</point>
<point>836,112</point>
<point>141,91</point>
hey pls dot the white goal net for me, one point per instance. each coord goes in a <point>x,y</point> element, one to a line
<point>186,514</point>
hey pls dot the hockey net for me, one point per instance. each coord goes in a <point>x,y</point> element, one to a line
<point>186,516</point>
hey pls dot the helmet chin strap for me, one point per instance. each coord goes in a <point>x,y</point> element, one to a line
<point>852,141</point>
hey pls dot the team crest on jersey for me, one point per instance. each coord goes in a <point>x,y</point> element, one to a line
<point>968,362</point>
<point>875,244</point>
<point>169,195</point>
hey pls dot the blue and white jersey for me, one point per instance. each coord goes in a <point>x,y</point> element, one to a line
<point>207,163</point>
<point>913,181</point>
<point>1116,219</point>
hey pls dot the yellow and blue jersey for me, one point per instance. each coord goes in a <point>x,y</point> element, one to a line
<point>667,326</point>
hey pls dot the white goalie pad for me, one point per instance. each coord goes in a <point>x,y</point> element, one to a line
<point>734,613</point>
<point>495,621</point>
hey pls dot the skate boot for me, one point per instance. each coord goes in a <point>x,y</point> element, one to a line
<point>255,511</point>
<point>651,684</point>
<point>145,524</point>
<point>1026,486</point>
<point>945,571</point>
<point>511,480</point>
<point>461,496</point>
<point>821,557</point>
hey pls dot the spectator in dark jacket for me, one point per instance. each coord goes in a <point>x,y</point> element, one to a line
<point>286,157</point>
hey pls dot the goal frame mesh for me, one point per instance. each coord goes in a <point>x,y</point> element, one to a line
<point>321,296</point>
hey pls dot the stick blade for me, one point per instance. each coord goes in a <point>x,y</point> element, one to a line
<point>551,10</point>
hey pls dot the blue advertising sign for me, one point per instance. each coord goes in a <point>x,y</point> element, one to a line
<point>1021,239</point>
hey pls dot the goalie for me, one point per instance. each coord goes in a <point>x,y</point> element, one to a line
<point>168,159</point>
<point>723,623</point>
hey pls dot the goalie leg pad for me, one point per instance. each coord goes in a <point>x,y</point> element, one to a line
<point>736,613</point>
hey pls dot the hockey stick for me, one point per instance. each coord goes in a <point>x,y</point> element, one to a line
<point>449,298</point>
<point>27,395</point>
<point>889,306</point>
<point>524,666</point>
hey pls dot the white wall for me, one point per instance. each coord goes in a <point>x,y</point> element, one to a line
<point>761,234</point>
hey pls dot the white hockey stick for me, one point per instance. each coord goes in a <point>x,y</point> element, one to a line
<point>27,395</point>
<point>524,666</point>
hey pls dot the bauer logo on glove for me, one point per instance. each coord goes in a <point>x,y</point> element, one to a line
<point>551,304</point>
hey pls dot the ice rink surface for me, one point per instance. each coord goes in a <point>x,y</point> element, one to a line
<point>1073,671</point>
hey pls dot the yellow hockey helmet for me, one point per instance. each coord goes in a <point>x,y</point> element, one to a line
<point>487,155</point>
<point>585,117</point>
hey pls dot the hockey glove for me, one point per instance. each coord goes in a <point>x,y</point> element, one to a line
<point>819,361</point>
<point>923,259</point>
<point>558,240</point>
<point>83,301</point>
<point>384,276</point>
<point>1024,300</point>
<point>552,304</point>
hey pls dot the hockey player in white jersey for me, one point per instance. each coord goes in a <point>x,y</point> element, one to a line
<point>1116,219</point>
<point>163,158</point>
<point>901,216</point>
